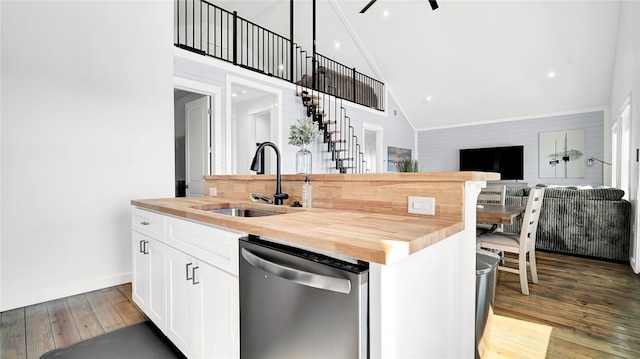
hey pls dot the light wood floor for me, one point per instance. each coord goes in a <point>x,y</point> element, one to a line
<point>581,308</point>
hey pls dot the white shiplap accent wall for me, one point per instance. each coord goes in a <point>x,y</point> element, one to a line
<point>439,149</point>
<point>397,131</point>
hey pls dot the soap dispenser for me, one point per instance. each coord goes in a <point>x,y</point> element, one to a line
<point>306,193</point>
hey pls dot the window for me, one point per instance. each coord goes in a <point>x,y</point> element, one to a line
<point>625,149</point>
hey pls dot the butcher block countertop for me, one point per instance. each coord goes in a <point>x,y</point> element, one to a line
<point>359,216</point>
<point>370,237</point>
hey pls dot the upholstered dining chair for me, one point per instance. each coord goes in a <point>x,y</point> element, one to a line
<point>492,194</point>
<point>521,244</point>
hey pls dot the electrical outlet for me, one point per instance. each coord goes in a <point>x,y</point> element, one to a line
<point>213,191</point>
<point>421,205</point>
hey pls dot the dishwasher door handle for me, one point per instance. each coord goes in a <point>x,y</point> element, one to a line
<point>314,280</point>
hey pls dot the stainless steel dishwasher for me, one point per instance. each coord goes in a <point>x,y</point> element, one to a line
<point>299,304</point>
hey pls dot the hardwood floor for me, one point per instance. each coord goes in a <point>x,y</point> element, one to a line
<point>581,308</point>
<point>32,331</point>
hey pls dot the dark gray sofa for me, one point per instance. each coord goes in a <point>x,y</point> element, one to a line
<point>587,222</point>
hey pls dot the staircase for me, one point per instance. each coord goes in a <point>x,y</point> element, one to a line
<point>337,131</point>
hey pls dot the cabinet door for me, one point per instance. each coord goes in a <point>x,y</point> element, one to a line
<point>217,312</point>
<point>156,310</point>
<point>140,265</point>
<point>147,286</point>
<point>181,329</point>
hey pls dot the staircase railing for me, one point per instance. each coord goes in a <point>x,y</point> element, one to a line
<point>207,29</point>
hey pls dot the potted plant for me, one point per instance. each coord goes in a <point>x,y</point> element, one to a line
<point>301,134</point>
<point>408,166</point>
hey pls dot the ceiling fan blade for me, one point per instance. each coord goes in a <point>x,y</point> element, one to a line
<point>434,4</point>
<point>367,7</point>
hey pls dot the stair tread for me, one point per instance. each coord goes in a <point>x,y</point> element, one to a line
<point>301,94</point>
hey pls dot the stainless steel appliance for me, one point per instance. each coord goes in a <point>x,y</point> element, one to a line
<point>299,304</point>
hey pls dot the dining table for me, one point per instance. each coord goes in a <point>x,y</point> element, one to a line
<point>499,214</point>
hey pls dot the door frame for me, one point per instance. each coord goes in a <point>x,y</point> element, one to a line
<point>253,113</point>
<point>201,138</point>
<point>379,148</point>
<point>276,131</point>
<point>215,94</point>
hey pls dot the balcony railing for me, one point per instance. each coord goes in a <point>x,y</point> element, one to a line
<point>209,30</point>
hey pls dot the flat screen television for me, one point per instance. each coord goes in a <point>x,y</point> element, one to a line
<point>508,161</point>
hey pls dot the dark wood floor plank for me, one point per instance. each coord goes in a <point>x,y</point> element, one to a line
<point>63,326</point>
<point>86,321</point>
<point>125,307</point>
<point>114,295</point>
<point>130,313</point>
<point>126,290</point>
<point>39,334</point>
<point>104,311</point>
<point>12,335</point>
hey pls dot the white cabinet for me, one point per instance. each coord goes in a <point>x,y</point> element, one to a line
<point>202,295</point>
<point>180,309</point>
<point>148,251</point>
<point>148,277</point>
<point>202,307</point>
<point>185,279</point>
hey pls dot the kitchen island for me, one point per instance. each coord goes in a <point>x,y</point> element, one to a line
<point>422,267</point>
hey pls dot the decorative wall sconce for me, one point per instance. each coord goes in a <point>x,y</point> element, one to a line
<point>591,164</point>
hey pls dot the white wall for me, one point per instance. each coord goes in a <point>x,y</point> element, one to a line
<point>439,149</point>
<point>87,125</point>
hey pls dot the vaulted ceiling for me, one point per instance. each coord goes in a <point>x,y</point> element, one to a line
<point>467,61</point>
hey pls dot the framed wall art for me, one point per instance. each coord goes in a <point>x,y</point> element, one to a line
<point>562,154</point>
<point>396,155</point>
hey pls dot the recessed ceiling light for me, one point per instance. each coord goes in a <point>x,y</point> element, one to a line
<point>336,45</point>
<point>385,13</point>
<point>234,95</point>
<point>428,98</point>
<point>551,74</point>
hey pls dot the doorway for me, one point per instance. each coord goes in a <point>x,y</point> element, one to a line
<point>255,118</point>
<point>196,135</point>
<point>372,137</point>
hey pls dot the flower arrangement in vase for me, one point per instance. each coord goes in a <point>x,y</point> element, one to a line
<point>302,133</point>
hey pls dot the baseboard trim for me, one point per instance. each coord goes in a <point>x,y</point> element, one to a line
<point>47,294</point>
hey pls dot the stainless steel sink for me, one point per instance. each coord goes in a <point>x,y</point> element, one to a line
<point>244,212</point>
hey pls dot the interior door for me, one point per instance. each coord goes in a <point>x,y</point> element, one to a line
<point>198,144</point>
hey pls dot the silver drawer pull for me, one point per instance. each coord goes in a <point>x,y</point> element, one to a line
<point>193,279</point>
<point>187,267</point>
<point>144,223</point>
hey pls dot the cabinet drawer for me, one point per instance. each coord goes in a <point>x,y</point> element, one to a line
<point>216,246</point>
<point>147,222</point>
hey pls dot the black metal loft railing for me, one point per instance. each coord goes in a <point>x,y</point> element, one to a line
<point>209,30</point>
<point>347,83</point>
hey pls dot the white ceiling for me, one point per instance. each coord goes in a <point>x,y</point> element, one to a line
<point>477,60</point>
